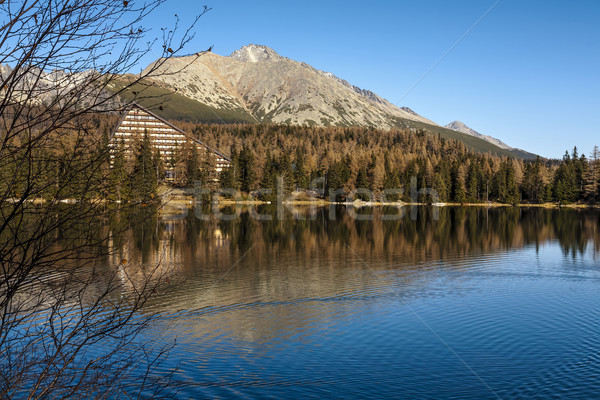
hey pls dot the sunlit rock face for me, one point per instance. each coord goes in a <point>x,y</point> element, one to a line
<point>273,88</point>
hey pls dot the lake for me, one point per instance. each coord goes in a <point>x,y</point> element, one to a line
<point>450,302</point>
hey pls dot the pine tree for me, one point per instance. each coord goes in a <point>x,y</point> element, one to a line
<point>336,178</point>
<point>268,184</point>
<point>284,171</point>
<point>246,177</point>
<point>533,187</point>
<point>513,195</point>
<point>192,165</point>
<point>440,187</point>
<point>410,172</point>
<point>300,175</point>
<point>159,166</point>
<point>177,165</point>
<point>376,174</point>
<point>580,166</point>
<point>230,176</point>
<point>592,177</point>
<point>362,182</point>
<point>102,158</point>
<point>390,182</point>
<point>344,167</point>
<point>459,192</point>
<point>143,179</point>
<point>565,186</point>
<point>118,175</point>
<point>207,173</point>
<point>473,182</point>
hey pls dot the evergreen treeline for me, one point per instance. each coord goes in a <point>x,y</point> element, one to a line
<point>396,164</point>
<point>345,159</point>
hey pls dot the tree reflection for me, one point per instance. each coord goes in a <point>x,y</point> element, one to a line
<point>453,231</point>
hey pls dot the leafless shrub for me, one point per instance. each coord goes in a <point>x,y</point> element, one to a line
<point>69,326</point>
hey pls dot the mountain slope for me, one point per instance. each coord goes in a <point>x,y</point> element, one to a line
<point>460,127</point>
<point>279,90</point>
<point>256,84</point>
<point>170,104</point>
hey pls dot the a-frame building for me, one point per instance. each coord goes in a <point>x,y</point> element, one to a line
<point>164,136</point>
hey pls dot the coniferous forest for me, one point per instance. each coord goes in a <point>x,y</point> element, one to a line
<point>355,158</point>
<point>391,165</point>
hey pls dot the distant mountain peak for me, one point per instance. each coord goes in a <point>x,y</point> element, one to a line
<point>461,127</point>
<point>256,53</point>
<point>255,84</point>
<point>408,110</point>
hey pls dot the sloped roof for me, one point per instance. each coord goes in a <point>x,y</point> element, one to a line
<point>132,105</point>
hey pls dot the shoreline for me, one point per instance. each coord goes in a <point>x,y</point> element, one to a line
<point>322,202</point>
<point>187,201</point>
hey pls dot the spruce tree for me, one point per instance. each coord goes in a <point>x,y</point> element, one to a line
<point>513,196</point>
<point>246,177</point>
<point>459,192</point>
<point>284,170</point>
<point>268,185</point>
<point>533,187</point>
<point>440,187</point>
<point>300,176</point>
<point>118,175</point>
<point>229,178</point>
<point>592,177</point>
<point>102,158</point>
<point>159,166</point>
<point>362,183</point>
<point>336,178</point>
<point>565,186</point>
<point>391,182</point>
<point>473,182</point>
<point>192,164</point>
<point>144,173</point>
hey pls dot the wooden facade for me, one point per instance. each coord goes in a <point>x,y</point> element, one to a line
<point>164,136</point>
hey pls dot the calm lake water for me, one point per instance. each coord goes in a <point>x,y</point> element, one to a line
<point>469,303</point>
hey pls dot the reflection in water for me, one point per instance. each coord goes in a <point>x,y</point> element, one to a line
<point>457,231</point>
<point>321,307</point>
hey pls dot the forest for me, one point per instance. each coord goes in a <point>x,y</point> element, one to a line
<point>380,161</point>
<point>379,165</point>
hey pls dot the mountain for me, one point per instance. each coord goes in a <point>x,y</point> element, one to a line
<point>36,87</point>
<point>255,84</point>
<point>460,127</point>
<point>257,53</point>
<point>257,81</point>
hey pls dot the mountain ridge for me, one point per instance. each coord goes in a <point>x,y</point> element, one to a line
<point>255,84</point>
<point>258,84</point>
<point>280,90</point>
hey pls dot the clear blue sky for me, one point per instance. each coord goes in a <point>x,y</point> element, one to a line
<point>528,73</point>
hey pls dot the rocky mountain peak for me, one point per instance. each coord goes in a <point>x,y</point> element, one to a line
<point>256,53</point>
<point>460,127</point>
<point>410,111</point>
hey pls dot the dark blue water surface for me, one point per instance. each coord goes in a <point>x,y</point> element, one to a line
<point>471,303</point>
